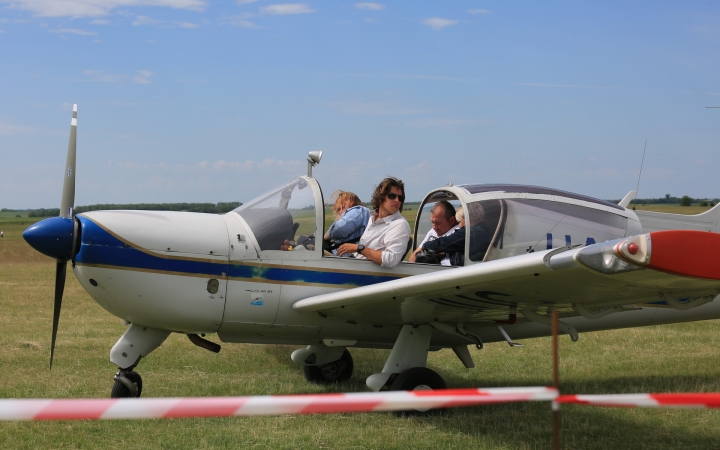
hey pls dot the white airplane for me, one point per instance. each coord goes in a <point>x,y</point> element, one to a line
<point>599,264</point>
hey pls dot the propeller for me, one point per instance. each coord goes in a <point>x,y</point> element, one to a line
<point>55,237</point>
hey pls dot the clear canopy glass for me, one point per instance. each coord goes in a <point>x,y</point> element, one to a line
<point>282,218</point>
<point>509,227</point>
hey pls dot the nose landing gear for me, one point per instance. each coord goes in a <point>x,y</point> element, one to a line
<point>135,343</point>
<point>334,372</point>
<point>128,384</point>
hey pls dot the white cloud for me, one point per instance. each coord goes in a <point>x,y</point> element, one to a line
<point>437,23</point>
<point>286,9</point>
<point>418,167</point>
<point>219,166</point>
<point>240,20</point>
<point>445,123</point>
<point>573,86</point>
<point>93,8</point>
<point>73,31</point>
<point>142,77</point>
<point>370,6</point>
<point>245,2</point>
<point>241,166</point>
<point>188,25</point>
<point>145,20</point>
<point>100,76</point>
<point>100,22</point>
<point>375,109</point>
<point>2,31</point>
<point>9,129</point>
<point>478,11</point>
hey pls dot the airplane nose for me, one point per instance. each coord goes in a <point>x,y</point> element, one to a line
<point>52,237</point>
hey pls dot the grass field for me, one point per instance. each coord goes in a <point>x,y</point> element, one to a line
<point>674,358</point>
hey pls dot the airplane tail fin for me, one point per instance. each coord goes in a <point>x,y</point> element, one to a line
<point>657,221</point>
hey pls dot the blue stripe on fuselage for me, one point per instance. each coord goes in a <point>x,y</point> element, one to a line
<point>98,247</point>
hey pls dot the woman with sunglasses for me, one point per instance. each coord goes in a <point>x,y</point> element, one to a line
<point>385,240</point>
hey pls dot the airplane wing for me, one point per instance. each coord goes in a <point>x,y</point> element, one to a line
<point>668,268</point>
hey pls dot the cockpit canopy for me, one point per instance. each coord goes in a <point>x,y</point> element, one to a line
<point>286,218</point>
<point>501,220</point>
<point>509,220</point>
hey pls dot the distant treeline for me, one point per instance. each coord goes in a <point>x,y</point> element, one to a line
<point>211,208</point>
<point>685,200</point>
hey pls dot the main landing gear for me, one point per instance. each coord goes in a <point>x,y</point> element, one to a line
<point>135,343</point>
<point>405,368</point>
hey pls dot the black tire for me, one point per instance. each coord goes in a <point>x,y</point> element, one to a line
<point>119,390</point>
<point>334,372</point>
<point>418,378</point>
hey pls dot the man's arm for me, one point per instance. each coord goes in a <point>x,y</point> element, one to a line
<point>396,241</point>
<point>413,257</point>
<point>451,243</point>
<point>419,248</point>
<point>373,255</point>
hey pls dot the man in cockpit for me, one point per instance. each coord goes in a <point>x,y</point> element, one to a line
<point>386,236</point>
<point>442,216</point>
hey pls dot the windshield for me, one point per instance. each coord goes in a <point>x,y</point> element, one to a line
<point>516,226</point>
<point>282,217</point>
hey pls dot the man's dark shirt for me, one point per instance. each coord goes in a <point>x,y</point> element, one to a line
<point>454,244</point>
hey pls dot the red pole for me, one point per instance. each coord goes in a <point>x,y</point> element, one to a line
<point>556,381</point>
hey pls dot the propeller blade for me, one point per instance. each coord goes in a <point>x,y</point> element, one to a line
<point>60,271</point>
<point>67,201</point>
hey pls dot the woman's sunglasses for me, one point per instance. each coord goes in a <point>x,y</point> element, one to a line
<point>393,196</point>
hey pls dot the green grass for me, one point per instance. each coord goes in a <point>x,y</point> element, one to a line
<point>672,358</point>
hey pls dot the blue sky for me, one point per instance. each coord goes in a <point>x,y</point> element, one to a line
<point>205,101</point>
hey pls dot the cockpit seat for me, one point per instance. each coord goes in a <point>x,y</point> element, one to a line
<point>407,250</point>
<point>272,226</point>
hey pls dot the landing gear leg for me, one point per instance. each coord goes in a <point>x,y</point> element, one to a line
<point>410,350</point>
<point>135,343</point>
<point>405,368</point>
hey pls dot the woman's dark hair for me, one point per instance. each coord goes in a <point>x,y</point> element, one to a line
<point>383,189</point>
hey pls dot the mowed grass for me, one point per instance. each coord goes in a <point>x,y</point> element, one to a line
<point>674,358</point>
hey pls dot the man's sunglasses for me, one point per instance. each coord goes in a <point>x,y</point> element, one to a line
<point>393,196</point>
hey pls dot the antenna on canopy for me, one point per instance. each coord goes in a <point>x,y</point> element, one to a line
<point>639,175</point>
<point>313,160</point>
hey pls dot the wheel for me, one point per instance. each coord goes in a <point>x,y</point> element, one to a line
<point>119,390</point>
<point>334,372</point>
<point>418,379</point>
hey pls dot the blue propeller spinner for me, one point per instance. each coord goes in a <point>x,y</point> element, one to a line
<point>52,237</point>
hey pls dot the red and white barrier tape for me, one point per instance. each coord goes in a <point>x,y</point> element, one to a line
<point>147,408</point>
<point>645,400</point>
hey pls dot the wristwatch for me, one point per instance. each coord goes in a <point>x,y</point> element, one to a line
<point>361,247</point>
